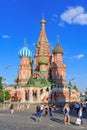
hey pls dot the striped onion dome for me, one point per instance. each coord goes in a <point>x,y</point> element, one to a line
<point>25,52</point>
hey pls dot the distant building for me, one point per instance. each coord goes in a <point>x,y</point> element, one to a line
<point>83,97</point>
<point>47,67</point>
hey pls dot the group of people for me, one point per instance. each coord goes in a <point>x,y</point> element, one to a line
<point>44,110</point>
<point>79,108</point>
<point>47,110</point>
<point>20,107</point>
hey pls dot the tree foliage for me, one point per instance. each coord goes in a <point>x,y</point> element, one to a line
<point>3,92</point>
<point>70,84</point>
<point>74,87</point>
<point>85,91</point>
<point>1,86</point>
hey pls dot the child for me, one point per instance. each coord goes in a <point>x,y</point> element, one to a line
<point>80,114</point>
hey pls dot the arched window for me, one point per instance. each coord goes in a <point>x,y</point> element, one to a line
<point>41,91</point>
<point>47,89</point>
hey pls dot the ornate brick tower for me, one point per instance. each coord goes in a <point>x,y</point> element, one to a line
<point>25,65</point>
<point>42,55</point>
<point>58,67</point>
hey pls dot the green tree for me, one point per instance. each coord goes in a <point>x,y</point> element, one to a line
<point>86,91</point>
<point>74,87</point>
<point>2,91</point>
<point>7,95</point>
<point>1,86</point>
<point>70,84</point>
<point>1,96</point>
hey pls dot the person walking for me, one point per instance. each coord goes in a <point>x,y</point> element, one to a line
<point>46,110</point>
<point>11,109</point>
<point>80,114</point>
<point>66,111</point>
<point>50,111</point>
<point>41,109</point>
<point>38,113</point>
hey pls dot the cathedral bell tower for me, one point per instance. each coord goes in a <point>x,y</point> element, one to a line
<point>58,67</point>
<point>42,49</point>
<point>25,65</point>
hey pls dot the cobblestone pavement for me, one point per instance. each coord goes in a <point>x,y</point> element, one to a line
<point>26,121</point>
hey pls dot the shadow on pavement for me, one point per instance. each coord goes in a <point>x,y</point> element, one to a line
<point>57,120</point>
<point>33,118</point>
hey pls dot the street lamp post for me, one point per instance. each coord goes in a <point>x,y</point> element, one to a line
<point>4,86</point>
<point>69,93</point>
<point>4,83</point>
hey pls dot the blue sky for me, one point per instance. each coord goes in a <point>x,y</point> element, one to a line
<point>64,18</point>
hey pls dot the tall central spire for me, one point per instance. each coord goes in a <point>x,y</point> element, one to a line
<point>43,47</point>
<point>43,37</point>
<point>43,22</point>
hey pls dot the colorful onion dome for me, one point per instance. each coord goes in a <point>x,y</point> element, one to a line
<point>25,52</point>
<point>58,50</point>
<point>43,60</point>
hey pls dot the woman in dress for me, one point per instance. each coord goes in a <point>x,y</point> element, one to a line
<point>66,111</point>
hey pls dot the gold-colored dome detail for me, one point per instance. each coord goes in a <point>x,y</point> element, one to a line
<point>43,21</point>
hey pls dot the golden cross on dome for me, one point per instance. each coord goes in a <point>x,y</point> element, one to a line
<point>25,42</point>
<point>58,39</point>
<point>42,15</point>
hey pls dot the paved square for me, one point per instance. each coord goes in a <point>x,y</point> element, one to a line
<point>26,121</point>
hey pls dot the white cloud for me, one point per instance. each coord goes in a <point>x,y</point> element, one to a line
<point>54,17</point>
<point>74,15</point>
<point>61,24</point>
<point>5,36</point>
<point>77,56</point>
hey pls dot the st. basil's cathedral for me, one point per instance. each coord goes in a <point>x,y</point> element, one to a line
<point>42,79</point>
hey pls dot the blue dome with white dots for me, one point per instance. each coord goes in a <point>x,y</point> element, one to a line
<point>25,52</point>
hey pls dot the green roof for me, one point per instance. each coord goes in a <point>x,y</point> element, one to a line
<point>43,60</point>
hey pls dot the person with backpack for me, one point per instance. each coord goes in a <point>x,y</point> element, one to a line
<point>38,113</point>
<point>66,111</point>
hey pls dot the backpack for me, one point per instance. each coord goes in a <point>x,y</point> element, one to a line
<point>65,110</point>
